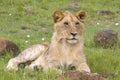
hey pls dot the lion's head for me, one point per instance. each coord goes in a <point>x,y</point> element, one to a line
<point>69,27</point>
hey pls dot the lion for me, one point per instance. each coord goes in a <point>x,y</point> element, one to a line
<point>64,50</point>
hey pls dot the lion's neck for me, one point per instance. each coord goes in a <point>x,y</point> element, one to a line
<point>56,38</point>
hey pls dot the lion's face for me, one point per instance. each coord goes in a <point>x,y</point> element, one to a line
<point>69,27</point>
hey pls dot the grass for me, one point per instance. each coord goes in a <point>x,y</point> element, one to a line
<point>33,17</point>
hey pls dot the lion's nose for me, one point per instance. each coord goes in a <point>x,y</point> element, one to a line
<point>74,33</point>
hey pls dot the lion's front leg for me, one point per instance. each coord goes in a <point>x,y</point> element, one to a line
<point>39,63</point>
<point>52,66</point>
<point>28,54</point>
<point>83,67</point>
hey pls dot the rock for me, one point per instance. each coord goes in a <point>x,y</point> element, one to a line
<point>76,75</point>
<point>105,38</point>
<point>9,46</point>
<point>104,12</point>
<point>74,0</point>
<point>73,6</point>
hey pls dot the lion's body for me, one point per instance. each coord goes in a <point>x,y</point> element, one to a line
<point>65,49</point>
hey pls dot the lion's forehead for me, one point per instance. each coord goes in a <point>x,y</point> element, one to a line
<point>70,18</point>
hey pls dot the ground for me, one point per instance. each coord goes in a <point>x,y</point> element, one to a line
<point>28,22</point>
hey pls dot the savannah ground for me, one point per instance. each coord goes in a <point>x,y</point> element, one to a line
<point>28,22</point>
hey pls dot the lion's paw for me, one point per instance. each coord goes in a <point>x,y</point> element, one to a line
<point>33,67</point>
<point>12,65</point>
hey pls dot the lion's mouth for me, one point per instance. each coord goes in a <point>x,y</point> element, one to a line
<point>72,40</point>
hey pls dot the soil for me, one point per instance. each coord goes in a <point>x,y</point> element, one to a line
<point>76,75</point>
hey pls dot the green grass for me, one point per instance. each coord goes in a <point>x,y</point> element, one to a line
<point>35,17</point>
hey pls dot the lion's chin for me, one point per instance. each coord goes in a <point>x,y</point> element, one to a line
<point>72,41</point>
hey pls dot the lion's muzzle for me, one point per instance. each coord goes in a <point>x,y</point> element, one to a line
<point>73,38</point>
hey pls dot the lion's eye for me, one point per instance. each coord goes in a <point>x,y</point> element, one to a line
<point>77,23</point>
<point>66,23</point>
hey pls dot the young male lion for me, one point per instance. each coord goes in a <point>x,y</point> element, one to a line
<point>65,49</point>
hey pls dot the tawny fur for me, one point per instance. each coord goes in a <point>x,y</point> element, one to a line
<point>65,49</point>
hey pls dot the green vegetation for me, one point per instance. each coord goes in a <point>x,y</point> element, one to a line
<point>19,18</point>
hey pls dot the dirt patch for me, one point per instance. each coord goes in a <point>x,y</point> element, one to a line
<point>76,75</point>
<point>9,46</point>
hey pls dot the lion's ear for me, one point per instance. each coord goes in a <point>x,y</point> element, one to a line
<point>81,15</point>
<point>57,16</point>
